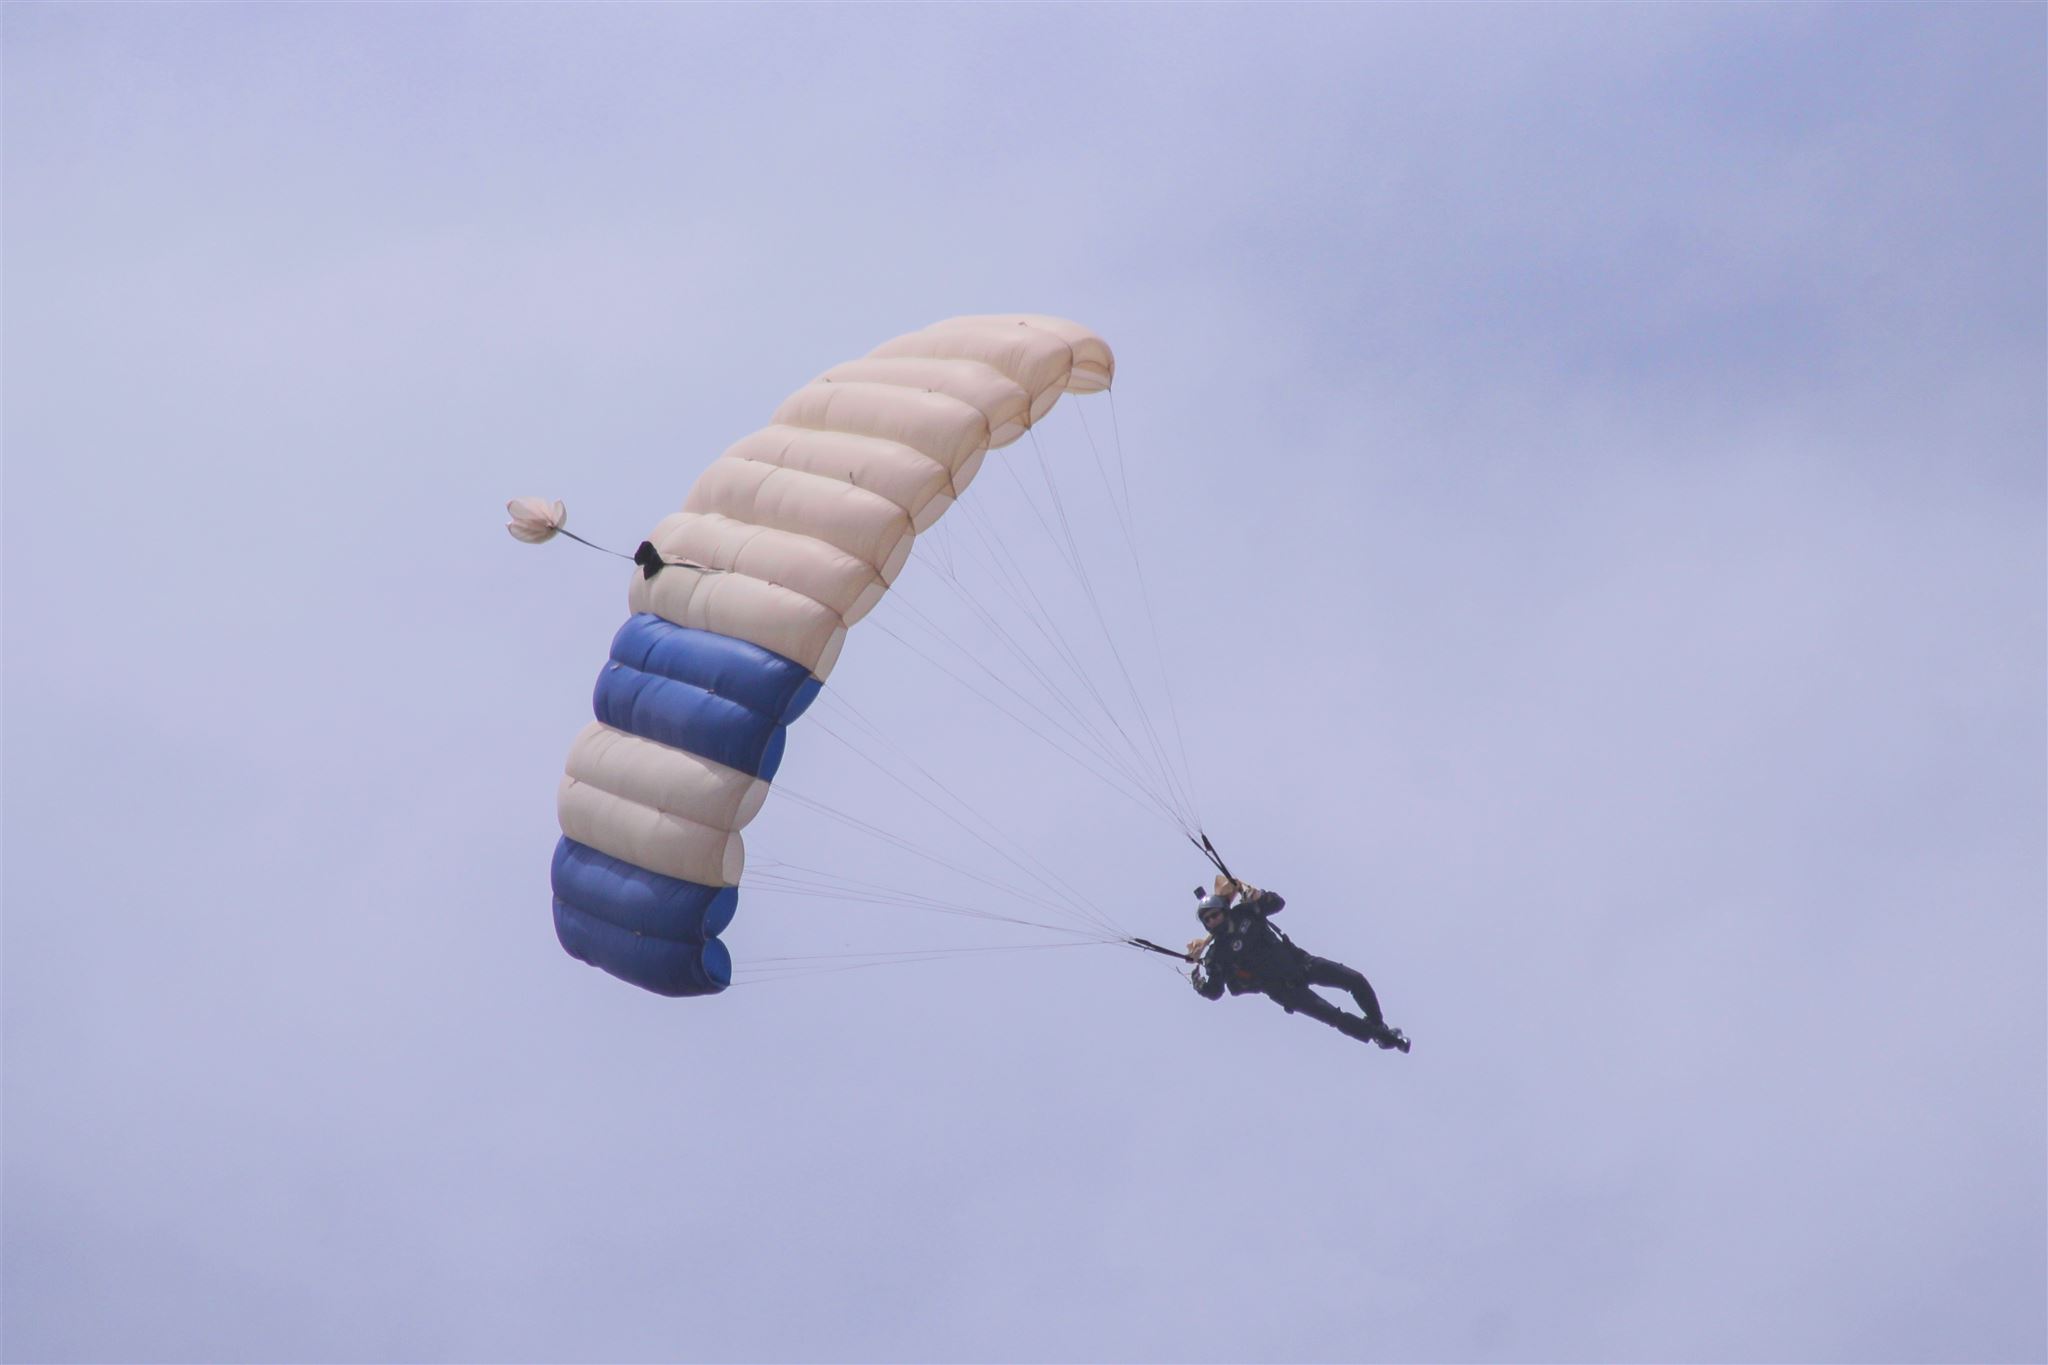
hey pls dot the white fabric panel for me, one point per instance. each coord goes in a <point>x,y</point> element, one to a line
<point>672,845</point>
<point>865,525</point>
<point>1039,360</point>
<point>933,510</point>
<point>843,466</point>
<point>903,474</point>
<point>940,425</point>
<point>1093,367</point>
<point>1000,399</point>
<point>964,475</point>
<point>776,618</point>
<point>664,779</point>
<point>819,571</point>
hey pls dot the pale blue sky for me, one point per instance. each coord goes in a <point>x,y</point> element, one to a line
<point>1589,462</point>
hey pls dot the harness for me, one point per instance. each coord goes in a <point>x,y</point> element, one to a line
<point>1240,972</point>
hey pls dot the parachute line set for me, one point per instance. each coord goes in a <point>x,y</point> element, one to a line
<point>741,611</point>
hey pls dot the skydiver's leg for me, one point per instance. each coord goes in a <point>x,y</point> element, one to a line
<point>1302,1000</point>
<point>1323,972</point>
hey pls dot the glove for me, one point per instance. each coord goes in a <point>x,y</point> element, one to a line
<point>1230,886</point>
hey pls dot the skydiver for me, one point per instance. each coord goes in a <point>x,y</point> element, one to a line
<point>1245,953</point>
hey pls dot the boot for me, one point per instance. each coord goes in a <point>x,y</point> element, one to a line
<point>1364,1030</point>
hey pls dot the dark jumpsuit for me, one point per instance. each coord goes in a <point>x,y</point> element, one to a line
<point>1249,955</point>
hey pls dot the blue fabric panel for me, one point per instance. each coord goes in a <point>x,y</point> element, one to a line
<point>801,702</point>
<point>684,716</point>
<point>639,901</point>
<point>724,699</point>
<point>709,694</point>
<point>756,678</point>
<point>661,965</point>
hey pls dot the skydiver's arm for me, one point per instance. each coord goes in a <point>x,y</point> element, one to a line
<point>1207,984</point>
<point>1267,902</point>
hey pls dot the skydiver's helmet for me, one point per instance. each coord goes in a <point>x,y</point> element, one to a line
<point>1211,903</point>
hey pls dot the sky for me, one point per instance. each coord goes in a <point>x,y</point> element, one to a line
<point>1586,465</point>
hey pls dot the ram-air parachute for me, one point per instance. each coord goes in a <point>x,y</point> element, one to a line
<point>786,541</point>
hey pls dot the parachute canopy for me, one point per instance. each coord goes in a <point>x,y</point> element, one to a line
<point>787,539</point>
